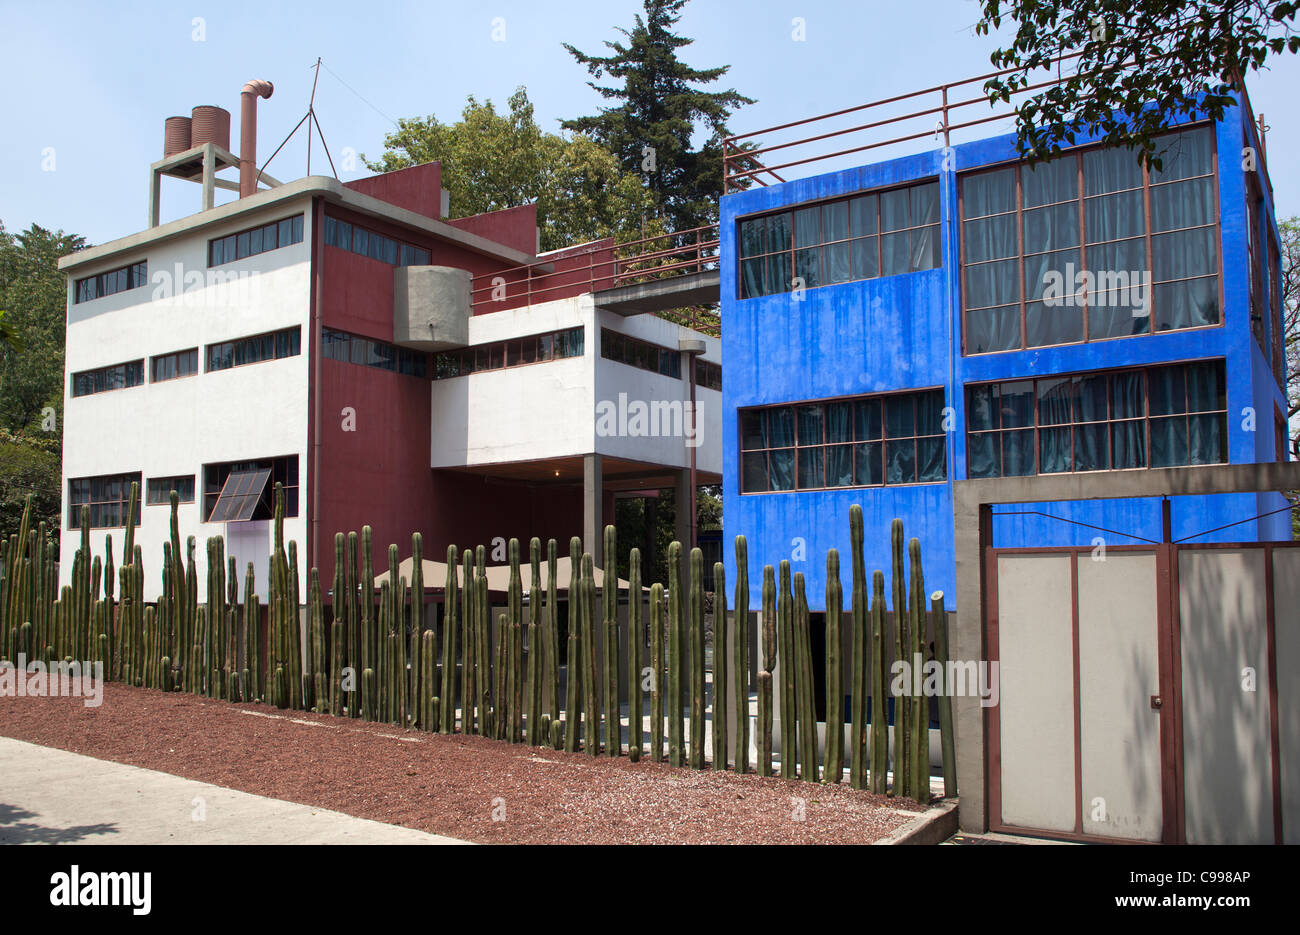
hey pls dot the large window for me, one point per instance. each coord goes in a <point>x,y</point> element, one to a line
<point>116,377</point>
<point>1090,246</point>
<point>708,374</point>
<point>255,240</point>
<point>642,354</point>
<point>118,280</point>
<point>357,239</point>
<point>270,346</point>
<point>106,497</point>
<point>862,442</point>
<point>160,489</point>
<point>535,349</point>
<point>352,348</point>
<point>1157,417</point>
<point>249,488</point>
<point>862,237</point>
<point>174,366</point>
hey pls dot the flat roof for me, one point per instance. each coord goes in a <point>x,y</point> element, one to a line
<point>332,190</point>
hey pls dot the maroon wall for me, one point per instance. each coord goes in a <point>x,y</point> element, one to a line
<point>514,227</point>
<point>418,188</point>
<point>474,510</point>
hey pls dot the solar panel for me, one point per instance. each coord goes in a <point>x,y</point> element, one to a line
<point>240,495</point>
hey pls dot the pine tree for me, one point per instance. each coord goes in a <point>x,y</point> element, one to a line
<point>662,107</point>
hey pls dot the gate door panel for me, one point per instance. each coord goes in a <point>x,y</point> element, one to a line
<point>1118,675</point>
<point>1036,691</point>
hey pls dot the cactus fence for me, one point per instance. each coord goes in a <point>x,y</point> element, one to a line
<point>380,659</point>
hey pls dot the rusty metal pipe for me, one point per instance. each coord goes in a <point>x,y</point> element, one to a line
<point>248,133</point>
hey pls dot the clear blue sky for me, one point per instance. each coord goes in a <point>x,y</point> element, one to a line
<point>94,81</point>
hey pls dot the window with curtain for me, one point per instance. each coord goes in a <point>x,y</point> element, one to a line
<point>1090,246</point>
<point>1155,417</point>
<point>849,239</point>
<point>866,441</point>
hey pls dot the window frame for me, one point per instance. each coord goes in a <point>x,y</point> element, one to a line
<point>282,467</point>
<point>74,506</point>
<point>257,343</point>
<point>1146,418</point>
<point>151,485</point>
<point>878,234</point>
<point>175,358</point>
<point>102,372</point>
<point>1081,197</point>
<point>546,348</point>
<point>136,276</point>
<point>883,440</point>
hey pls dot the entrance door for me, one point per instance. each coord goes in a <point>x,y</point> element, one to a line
<point>1077,737</point>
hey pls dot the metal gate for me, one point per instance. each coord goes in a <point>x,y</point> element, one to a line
<point>1139,692</point>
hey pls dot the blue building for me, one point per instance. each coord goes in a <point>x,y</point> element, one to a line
<point>898,326</point>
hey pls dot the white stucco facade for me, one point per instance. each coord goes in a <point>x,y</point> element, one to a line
<point>553,409</point>
<point>175,427</point>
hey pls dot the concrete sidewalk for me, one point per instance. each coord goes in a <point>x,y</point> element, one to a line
<point>50,796</point>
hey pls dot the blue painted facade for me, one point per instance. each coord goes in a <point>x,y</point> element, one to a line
<point>904,332</point>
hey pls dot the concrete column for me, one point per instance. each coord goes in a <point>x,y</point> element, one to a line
<point>682,517</point>
<point>593,501</point>
<point>966,642</point>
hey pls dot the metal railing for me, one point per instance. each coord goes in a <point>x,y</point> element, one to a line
<point>603,265</point>
<point>947,105</point>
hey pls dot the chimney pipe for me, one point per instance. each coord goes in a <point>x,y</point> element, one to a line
<point>248,134</point>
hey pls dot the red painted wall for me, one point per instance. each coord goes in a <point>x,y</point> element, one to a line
<point>417,188</point>
<point>514,227</point>
<point>379,474</point>
<point>473,510</point>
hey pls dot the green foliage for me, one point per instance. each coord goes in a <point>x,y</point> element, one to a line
<point>634,514</point>
<point>1144,64</point>
<point>33,296</point>
<point>661,108</point>
<point>494,160</point>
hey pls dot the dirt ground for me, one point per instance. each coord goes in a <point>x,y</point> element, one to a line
<point>465,787</point>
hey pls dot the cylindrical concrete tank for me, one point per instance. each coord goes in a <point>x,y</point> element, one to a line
<point>176,135</point>
<point>210,125</point>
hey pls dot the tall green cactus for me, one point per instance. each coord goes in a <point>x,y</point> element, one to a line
<point>902,709</point>
<point>417,688</point>
<point>591,670</point>
<point>805,699</point>
<point>657,672</point>
<point>860,653</point>
<point>573,668</point>
<point>319,674</point>
<point>450,611</point>
<point>551,639</point>
<point>740,673</point>
<point>535,653</point>
<point>609,601</point>
<point>767,665</point>
<point>939,625</point>
<point>719,666</point>
<point>920,723</point>
<point>696,622</point>
<point>789,666</point>
<point>675,659</point>
<point>834,770</point>
<point>635,639</point>
<point>879,681</point>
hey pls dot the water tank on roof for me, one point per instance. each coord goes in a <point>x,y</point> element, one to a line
<point>176,135</point>
<point>210,125</point>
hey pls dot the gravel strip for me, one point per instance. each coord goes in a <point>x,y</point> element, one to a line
<point>466,787</point>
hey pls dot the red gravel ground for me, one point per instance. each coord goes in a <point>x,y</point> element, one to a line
<point>447,784</point>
